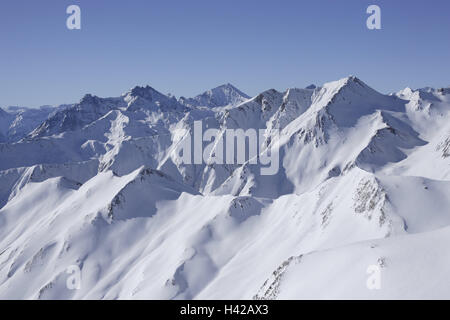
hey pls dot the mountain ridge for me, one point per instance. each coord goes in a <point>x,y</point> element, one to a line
<point>100,186</point>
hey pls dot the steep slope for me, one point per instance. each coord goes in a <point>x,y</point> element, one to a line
<point>406,267</point>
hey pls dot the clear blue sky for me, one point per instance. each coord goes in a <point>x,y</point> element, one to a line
<point>185,47</point>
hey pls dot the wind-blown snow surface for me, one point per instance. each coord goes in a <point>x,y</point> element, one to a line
<point>364,180</point>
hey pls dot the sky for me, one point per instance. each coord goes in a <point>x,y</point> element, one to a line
<point>186,47</point>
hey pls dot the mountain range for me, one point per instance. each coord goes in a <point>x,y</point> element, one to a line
<point>363,181</point>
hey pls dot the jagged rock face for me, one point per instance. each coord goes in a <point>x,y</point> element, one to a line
<point>98,185</point>
<point>445,148</point>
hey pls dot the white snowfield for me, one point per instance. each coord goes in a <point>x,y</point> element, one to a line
<point>363,185</point>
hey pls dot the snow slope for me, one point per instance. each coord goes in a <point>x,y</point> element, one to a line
<point>411,267</point>
<point>363,181</point>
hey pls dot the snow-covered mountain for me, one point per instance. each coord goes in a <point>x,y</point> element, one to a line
<point>18,122</point>
<point>363,182</point>
<point>221,96</point>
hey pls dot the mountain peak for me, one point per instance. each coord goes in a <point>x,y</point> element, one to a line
<point>221,96</point>
<point>355,80</point>
<point>229,89</point>
<point>229,86</point>
<point>350,98</point>
<point>350,83</point>
<point>147,93</point>
<point>89,99</point>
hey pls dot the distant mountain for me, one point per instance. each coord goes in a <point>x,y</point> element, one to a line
<point>5,120</point>
<point>17,122</point>
<point>91,108</point>
<point>224,95</point>
<point>362,181</point>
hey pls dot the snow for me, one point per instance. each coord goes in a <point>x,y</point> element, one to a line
<point>17,122</point>
<point>412,267</point>
<point>221,96</point>
<point>364,180</point>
